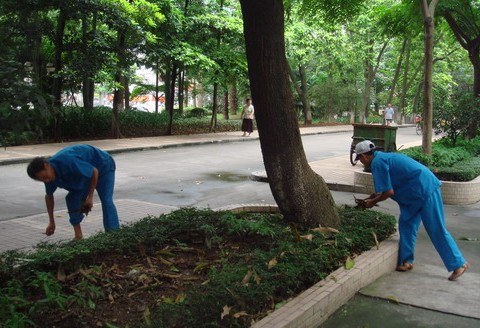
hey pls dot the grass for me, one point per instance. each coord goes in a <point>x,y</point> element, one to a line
<point>190,268</point>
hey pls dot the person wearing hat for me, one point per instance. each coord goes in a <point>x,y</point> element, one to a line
<point>417,191</point>
<point>80,169</point>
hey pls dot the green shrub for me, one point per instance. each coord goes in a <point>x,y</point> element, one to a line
<point>465,170</point>
<point>196,112</point>
<point>27,278</point>
<point>449,162</point>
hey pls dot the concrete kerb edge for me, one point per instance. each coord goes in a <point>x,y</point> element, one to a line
<point>313,306</point>
<point>133,149</point>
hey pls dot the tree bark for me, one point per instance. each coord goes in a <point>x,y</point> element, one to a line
<point>233,98</point>
<point>213,120</point>
<point>57,79</point>
<point>428,24</point>
<point>395,80</point>
<point>302,92</point>
<point>307,111</point>
<point>226,105</point>
<point>88,84</point>
<point>302,195</point>
<point>403,93</point>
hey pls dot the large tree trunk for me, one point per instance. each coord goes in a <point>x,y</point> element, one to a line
<point>118,94</point>
<point>307,111</point>
<point>395,80</point>
<point>181,88</point>
<point>87,80</point>
<point>233,98</point>
<point>302,92</point>
<point>403,93</point>
<point>302,195</point>
<point>170,96</point>
<point>226,105</point>
<point>428,24</point>
<point>213,120</point>
<point>57,79</point>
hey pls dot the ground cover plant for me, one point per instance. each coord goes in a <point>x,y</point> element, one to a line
<point>190,268</point>
<point>450,161</point>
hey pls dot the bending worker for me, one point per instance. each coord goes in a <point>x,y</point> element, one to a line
<point>417,191</point>
<point>80,169</point>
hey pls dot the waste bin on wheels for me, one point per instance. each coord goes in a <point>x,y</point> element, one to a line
<point>383,136</point>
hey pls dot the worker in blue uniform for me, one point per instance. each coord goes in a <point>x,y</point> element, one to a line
<point>417,191</point>
<point>79,169</point>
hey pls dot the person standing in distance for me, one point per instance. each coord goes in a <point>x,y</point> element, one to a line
<point>79,169</point>
<point>247,116</point>
<point>417,191</point>
<point>388,114</point>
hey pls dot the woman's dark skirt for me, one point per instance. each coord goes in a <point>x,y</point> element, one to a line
<point>247,125</point>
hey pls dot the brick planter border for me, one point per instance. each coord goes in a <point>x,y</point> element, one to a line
<point>453,193</point>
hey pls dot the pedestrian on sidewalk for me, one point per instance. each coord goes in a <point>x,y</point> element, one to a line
<point>388,113</point>
<point>417,191</point>
<point>80,169</point>
<point>247,116</point>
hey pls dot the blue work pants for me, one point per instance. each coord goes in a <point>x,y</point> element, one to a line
<point>432,215</point>
<point>105,186</point>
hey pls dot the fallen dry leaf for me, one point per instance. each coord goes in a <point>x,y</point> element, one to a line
<point>247,277</point>
<point>239,314</point>
<point>325,230</point>
<point>376,239</point>
<point>307,237</point>
<point>273,262</point>
<point>61,276</point>
<point>225,312</point>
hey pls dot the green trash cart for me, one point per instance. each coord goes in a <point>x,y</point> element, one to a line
<point>383,136</point>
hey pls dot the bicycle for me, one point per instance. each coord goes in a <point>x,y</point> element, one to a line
<point>419,128</point>
<point>418,125</point>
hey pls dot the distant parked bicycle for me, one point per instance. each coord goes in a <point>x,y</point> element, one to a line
<point>418,125</point>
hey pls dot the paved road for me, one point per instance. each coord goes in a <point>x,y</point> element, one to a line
<point>205,175</point>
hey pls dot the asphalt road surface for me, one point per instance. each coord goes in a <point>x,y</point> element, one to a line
<point>204,176</point>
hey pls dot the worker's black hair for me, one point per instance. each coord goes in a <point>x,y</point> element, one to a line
<point>36,165</point>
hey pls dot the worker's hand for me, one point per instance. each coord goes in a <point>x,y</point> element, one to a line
<point>87,205</point>
<point>50,229</point>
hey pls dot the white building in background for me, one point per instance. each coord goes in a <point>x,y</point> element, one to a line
<point>147,102</point>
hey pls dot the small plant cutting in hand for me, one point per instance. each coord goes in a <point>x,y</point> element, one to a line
<point>190,268</point>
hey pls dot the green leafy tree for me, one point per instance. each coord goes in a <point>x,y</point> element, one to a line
<point>463,17</point>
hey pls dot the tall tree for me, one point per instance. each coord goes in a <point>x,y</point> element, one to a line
<point>302,195</point>
<point>463,17</point>
<point>428,12</point>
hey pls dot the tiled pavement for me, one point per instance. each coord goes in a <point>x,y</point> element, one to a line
<point>24,233</point>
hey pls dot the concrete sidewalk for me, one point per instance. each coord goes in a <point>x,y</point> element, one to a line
<point>425,288</point>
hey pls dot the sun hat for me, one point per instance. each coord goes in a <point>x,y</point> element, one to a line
<point>363,147</point>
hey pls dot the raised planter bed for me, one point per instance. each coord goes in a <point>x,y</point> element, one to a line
<point>454,193</point>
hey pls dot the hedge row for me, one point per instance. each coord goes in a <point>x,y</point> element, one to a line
<point>450,163</point>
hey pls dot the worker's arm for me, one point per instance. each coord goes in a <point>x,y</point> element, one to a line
<point>88,203</point>
<point>50,202</point>
<point>378,197</point>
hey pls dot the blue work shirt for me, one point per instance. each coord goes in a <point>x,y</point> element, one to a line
<point>74,166</point>
<point>412,182</point>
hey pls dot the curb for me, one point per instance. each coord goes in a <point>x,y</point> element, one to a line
<point>313,307</point>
